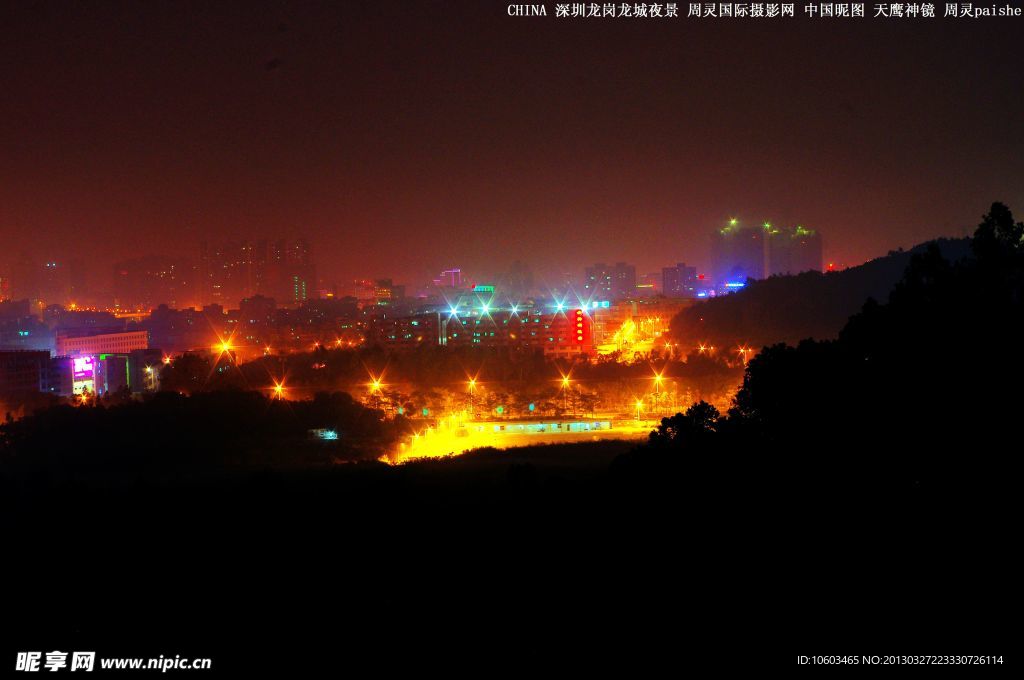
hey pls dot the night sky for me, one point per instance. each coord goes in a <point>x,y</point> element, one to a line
<point>401,138</point>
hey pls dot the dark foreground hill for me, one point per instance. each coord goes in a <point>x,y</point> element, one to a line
<point>792,308</point>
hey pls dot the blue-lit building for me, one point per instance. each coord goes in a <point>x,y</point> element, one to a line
<point>737,254</point>
<point>740,253</point>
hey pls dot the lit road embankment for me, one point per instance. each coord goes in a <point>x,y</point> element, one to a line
<point>448,439</point>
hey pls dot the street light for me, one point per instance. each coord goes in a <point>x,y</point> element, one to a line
<point>375,389</point>
<point>565,393</point>
<point>639,405</point>
<point>472,395</point>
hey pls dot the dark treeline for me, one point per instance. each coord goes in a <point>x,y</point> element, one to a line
<point>791,308</point>
<point>168,436</point>
<point>918,393</point>
<point>878,467</point>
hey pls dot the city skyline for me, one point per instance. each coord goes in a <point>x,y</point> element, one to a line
<point>226,271</point>
<point>150,129</point>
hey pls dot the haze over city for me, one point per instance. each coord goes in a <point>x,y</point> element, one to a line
<point>411,137</point>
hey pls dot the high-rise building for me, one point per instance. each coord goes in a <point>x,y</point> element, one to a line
<point>233,270</point>
<point>740,252</point>
<point>793,250</point>
<point>737,254</point>
<point>288,274</point>
<point>147,282</point>
<point>603,282</point>
<point>679,281</point>
<point>227,271</point>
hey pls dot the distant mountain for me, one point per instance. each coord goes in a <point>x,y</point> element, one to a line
<point>792,308</point>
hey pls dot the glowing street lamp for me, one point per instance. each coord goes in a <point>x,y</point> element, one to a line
<point>278,390</point>
<point>375,391</point>
<point>639,406</point>
<point>565,392</point>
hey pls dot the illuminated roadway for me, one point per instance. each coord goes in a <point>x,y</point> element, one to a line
<point>449,438</point>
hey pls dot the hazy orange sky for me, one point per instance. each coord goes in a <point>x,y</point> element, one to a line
<point>400,138</point>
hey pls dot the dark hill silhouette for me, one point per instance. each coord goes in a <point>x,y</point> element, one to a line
<point>792,308</point>
<point>870,456</point>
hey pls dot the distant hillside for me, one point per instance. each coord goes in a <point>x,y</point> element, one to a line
<point>791,308</point>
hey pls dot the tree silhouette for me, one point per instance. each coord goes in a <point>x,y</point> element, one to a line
<point>685,430</point>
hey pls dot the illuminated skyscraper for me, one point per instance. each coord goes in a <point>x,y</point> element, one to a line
<point>737,254</point>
